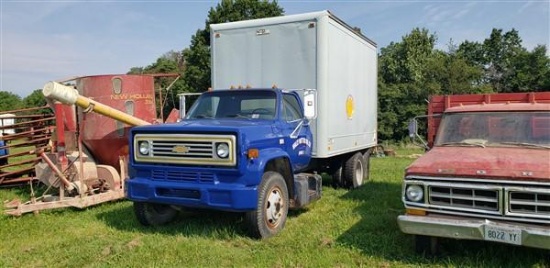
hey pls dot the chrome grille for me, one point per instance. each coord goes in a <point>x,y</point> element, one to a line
<point>478,199</point>
<point>185,149</point>
<point>525,201</point>
<point>529,202</point>
<point>199,149</point>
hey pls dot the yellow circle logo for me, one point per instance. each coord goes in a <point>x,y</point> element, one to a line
<point>350,108</point>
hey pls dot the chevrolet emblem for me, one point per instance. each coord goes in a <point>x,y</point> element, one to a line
<point>180,149</point>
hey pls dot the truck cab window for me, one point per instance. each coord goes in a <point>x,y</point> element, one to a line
<point>495,128</point>
<point>291,108</point>
<point>246,104</point>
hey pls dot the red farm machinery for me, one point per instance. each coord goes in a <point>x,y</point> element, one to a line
<point>79,152</point>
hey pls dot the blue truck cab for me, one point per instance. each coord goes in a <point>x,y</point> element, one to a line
<point>236,150</point>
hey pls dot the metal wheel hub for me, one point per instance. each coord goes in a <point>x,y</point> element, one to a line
<point>274,207</point>
<point>359,173</point>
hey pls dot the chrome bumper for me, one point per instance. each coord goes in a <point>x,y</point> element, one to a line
<point>474,229</point>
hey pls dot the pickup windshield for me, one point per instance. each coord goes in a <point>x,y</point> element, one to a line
<point>495,129</point>
<point>237,104</point>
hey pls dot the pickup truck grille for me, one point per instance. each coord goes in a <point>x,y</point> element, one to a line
<point>477,199</point>
<point>528,202</point>
<point>185,149</point>
<point>491,199</point>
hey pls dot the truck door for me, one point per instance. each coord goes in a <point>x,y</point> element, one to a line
<point>297,133</point>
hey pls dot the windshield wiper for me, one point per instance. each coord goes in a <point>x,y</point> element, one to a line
<point>203,116</point>
<point>463,143</point>
<point>237,116</point>
<point>526,144</point>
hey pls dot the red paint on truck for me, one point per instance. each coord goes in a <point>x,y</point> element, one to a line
<point>486,175</point>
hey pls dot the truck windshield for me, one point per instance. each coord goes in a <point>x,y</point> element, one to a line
<point>235,104</point>
<point>496,129</point>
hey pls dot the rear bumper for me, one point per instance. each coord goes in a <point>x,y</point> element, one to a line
<point>220,196</point>
<point>474,229</point>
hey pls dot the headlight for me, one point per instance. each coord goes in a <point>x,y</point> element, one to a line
<point>144,147</point>
<point>222,150</point>
<point>414,193</point>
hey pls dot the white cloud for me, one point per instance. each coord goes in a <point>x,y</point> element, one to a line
<point>525,6</point>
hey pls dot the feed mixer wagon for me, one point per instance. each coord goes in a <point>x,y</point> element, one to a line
<point>85,160</point>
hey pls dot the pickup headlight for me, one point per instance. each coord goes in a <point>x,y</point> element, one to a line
<point>414,193</point>
<point>144,147</point>
<point>222,150</point>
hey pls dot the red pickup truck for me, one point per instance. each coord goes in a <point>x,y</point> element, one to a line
<point>486,175</point>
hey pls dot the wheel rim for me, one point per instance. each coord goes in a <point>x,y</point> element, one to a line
<point>274,208</point>
<point>358,173</point>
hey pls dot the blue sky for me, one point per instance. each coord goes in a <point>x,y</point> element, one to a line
<point>50,40</point>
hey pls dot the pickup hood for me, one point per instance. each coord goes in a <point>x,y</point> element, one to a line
<point>486,163</point>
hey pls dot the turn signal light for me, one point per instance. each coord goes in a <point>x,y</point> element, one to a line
<point>418,212</point>
<point>253,153</point>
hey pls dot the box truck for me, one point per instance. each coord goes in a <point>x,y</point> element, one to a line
<point>292,97</point>
<point>486,175</point>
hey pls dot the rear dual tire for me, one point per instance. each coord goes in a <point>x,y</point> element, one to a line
<point>353,172</point>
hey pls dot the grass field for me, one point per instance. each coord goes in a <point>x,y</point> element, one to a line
<point>344,229</point>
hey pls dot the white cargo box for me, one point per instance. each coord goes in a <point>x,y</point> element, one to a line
<point>7,120</point>
<point>315,51</point>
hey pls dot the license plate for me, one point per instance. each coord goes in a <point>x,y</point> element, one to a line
<point>503,234</point>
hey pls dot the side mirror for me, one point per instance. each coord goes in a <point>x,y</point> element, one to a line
<point>413,133</point>
<point>413,128</point>
<point>310,104</point>
<point>182,106</point>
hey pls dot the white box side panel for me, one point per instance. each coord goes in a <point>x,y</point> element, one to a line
<point>348,96</point>
<point>263,56</point>
<point>326,56</point>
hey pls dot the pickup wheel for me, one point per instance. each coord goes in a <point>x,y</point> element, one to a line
<point>428,245</point>
<point>354,171</point>
<point>150,214</point>
<point>270,215</point>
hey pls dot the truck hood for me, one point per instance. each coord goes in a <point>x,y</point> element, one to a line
<point>206,126</point>
<point>486,163</point>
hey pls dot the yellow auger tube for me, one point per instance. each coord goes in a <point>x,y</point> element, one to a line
<point>69,95</point>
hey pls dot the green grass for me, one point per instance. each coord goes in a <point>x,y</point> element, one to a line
<point>344,229</point>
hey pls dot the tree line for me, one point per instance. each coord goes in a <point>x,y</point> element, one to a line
<point>409,71</point>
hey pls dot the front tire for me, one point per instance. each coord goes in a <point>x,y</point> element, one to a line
<point>150,214</point>
<point>269,218</point>
<point>426,244</point>
<point>353,171</point>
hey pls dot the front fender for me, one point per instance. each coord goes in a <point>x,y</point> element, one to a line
<point>257,165</point>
